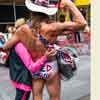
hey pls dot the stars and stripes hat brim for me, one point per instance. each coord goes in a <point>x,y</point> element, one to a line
<point>44,6</point>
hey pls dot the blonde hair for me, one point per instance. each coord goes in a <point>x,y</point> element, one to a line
<point>37,19</point>
<point>20,22</point>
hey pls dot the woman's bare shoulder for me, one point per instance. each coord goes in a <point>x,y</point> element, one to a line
<point>22,30</point>
<point>24,27</point>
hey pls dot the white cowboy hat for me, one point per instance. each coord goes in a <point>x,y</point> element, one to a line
<point>44,6</point>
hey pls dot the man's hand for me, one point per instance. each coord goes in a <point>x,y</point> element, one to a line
<point>50,52</point>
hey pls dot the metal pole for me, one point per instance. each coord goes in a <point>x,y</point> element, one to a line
<point>14,7</point>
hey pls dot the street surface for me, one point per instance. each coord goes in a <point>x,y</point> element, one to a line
<point>74,89</point>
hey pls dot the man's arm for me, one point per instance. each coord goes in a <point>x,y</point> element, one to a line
<point>77,24</point>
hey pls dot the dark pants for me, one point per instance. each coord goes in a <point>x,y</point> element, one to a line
<point>22,95</point>
<point>77,37</point>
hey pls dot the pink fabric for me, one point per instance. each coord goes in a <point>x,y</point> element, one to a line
<point>24,96</point>
<point>27,59</point>
<point>21,86</point>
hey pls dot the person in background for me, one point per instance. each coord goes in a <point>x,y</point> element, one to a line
<point>11,31</point>
<point>77,37</point>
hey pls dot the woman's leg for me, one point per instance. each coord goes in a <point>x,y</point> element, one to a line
<point>22,95</point>
<point>53,86</point>
<point>37,88</point>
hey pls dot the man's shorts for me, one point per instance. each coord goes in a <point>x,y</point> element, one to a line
<point>50,68</point>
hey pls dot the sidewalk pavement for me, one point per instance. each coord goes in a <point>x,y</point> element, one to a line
<point>85,98</point>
